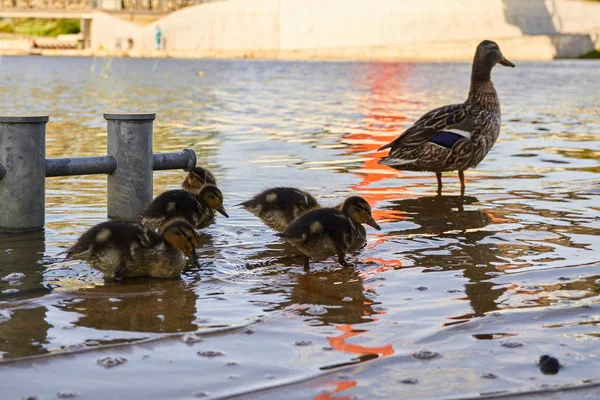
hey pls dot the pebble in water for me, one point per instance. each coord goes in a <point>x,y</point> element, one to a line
<point>210,353</point>
<point>303,342</point>
<point>425,355</point>
<point>66,395</point>
<point>511,344</point>
<point>191,338</point>
<point>549,365</point>
<point>109,361</point>
<point>410,381</point>
<point>15,276</point>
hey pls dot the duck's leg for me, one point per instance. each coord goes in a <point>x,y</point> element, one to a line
<point>342,260</point>
<point>306,263</point>
<point>438,175</point>
<point>461,176</point>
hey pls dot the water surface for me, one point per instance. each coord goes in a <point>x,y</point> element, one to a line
<point>456,296</point>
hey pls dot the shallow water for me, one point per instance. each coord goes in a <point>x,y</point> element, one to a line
<point>454,297</point>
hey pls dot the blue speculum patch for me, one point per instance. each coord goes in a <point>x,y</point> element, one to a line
<point>446,139</point>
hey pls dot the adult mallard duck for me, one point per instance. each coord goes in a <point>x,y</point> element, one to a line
<point>458,136</point>
<point>196,179</point>
<point>197,210</point>
<point>325,232</point>
<point>125,249</point>
<point>279,206</point>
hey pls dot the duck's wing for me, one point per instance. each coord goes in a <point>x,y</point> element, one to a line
<point>443,126</point>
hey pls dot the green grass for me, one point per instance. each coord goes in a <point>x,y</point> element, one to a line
<point>592,55</point>
<point>40,27</point>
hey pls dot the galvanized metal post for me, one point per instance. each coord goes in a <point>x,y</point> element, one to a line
<point>130,143</point>
<point>22,189</point>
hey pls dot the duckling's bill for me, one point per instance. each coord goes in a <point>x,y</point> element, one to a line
<point>222,211</point>
<point>373,223</point>
<point>193,256</point>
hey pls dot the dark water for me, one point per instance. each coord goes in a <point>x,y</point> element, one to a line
<point>481,285</point>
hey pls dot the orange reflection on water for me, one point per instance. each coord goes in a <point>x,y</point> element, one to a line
<point>340,386</point>
<point>339,343</point>
<point>382,123</point>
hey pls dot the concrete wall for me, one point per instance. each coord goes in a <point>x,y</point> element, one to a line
<point>363,29</point>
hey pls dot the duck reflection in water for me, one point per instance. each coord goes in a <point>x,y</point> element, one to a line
<point>470,252</point>
<point>143,305</point>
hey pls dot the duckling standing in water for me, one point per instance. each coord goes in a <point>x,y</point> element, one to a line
<point>127,249</point>
<point>197,210</point>
<point>278,207</point>
<point>325,232</point>
<point>196,179</point>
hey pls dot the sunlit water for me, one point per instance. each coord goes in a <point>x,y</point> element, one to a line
<point>485,283</point>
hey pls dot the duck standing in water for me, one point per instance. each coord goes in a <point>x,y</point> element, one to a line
<point>197,210</point>
<point>278,207</point>
<point>326,232</point>
<point>458,136</point>
<point>196,179</point>
<point>126,249</point>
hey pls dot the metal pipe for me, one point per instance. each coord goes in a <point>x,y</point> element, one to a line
<point>185,160</point>
<point>22,190</point>
<point>130,143</point>
<point>80,166</point>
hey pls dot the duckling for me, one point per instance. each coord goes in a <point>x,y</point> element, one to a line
<point>126,249</point>
<point>196,179</point>
<point>325,232</point>
<point>197,210</point>
<point>279,206</point>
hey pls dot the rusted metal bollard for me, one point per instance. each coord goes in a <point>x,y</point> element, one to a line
<point>129,165</point>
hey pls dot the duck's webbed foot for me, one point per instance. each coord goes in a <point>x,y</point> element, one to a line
<point>342,260</point>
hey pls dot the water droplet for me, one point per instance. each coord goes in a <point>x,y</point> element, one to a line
<point>421,288</point>
<point>191,338</point>
<point>109,361</point>
<point>66,395</point>
<point>347,298</point>
<point>410,381</point>
<point>15,276</point>
<point>511,344</point>
<point>488,375</point>
<point>210,353</point>
<point>303,342</point>
<point>426,355</point>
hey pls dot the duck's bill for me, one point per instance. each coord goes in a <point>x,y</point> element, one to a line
<point>506,63</point>
<point>193,258</point>
<point>374,224</point>
<point>222,211</point>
